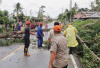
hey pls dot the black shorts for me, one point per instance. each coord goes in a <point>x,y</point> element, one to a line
<point>26,42</point>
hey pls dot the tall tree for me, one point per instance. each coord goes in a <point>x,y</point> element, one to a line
<point>5,13</point>
<point>97,2</point>
<point>92,6</point>
<point>40,13</point>
<point>18,8</point>
<point>76,6</point>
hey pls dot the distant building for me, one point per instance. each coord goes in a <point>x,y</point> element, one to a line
<point>87,15</point>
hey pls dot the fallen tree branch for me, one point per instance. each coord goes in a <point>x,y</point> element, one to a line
<point>90,24</point>
<point>92,53</point>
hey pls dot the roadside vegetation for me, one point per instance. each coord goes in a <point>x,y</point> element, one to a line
<point>89,31</point>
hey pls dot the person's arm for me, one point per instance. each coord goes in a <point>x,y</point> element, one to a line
<point>20,32</point>
<point>49,39</point>
<point>52,58</point>
<point>48,43</point>
<point>65,32</point>
<point>76,30</point>
<point>33,33</point>
<point>43,34</point>
<point>53,52</point>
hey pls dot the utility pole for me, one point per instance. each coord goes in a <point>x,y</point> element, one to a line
<point>70,9</point>
<point>70,5</point>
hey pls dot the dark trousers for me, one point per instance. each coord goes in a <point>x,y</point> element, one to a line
<point>27,43</point>
<point>62,67</point>
<point>71,50</point>
<point>40,42</point>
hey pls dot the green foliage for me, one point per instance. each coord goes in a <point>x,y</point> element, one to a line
<point>68,15</point>
<point>95,5</point>
<point>89,31</point>
<point>4,19</point>
<point>45,43</point>
<point>2,30</point>
<point>5,13</point>
<point>21,17</point>
<point>8,42</point>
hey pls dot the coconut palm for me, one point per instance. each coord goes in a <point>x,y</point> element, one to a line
<point>18,8</point>
<point>40,13</point>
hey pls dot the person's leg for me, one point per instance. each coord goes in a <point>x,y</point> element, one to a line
<point>38,43</point>
<point>71,50</point>
<point>65,66</point>
<point>41,42</point>
<point>53,67</point>
<point>27,43</point>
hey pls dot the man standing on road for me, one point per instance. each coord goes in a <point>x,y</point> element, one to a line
<point>51,35</point>
<point>40,35</point>
<point>27,33</point>
<point>58,50</point>
<point>70,34</point>
<point>26,38</point>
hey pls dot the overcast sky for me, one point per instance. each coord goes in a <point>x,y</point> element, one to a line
<point>53,7</point>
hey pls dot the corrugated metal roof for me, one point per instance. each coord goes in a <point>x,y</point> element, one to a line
<point>87,15</point>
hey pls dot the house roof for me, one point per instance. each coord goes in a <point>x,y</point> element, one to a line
<point>87,15</point>
<point>80,15</point>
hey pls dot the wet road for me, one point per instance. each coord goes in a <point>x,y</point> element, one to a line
<point>39,57</point>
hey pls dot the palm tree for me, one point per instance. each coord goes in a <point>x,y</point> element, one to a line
<point>18,8</point>
<point>41,11</point>
<point>5,12</point>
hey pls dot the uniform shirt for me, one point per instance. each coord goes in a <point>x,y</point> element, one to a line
<point>70,33</point>
<point>40,32</point>
<point>60,48</point>
<point>27,32</point>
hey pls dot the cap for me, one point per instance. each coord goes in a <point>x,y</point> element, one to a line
<point>28,23</point>
<point>57,28</point>
<point>41,23</point>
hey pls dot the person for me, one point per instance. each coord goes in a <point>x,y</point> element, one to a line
<point>18,26</point>
<point>27,33</point>
<point>70,34</point>
<point>7,27</point>
<point>46,25</point>
<point>51,35</point>
<point>60,25</point>
<point>58,50</point>
<point>13,27</point>
<point>40,35</point>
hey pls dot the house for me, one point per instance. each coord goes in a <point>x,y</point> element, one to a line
<point>87,15</point>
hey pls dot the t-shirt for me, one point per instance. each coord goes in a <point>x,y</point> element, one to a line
<point>59,46</point>
<point>27,32</point>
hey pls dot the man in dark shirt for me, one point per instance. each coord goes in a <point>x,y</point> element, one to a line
<point>26,38</point>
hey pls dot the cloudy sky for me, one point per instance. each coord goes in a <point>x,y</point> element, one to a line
<point>53,7</point>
